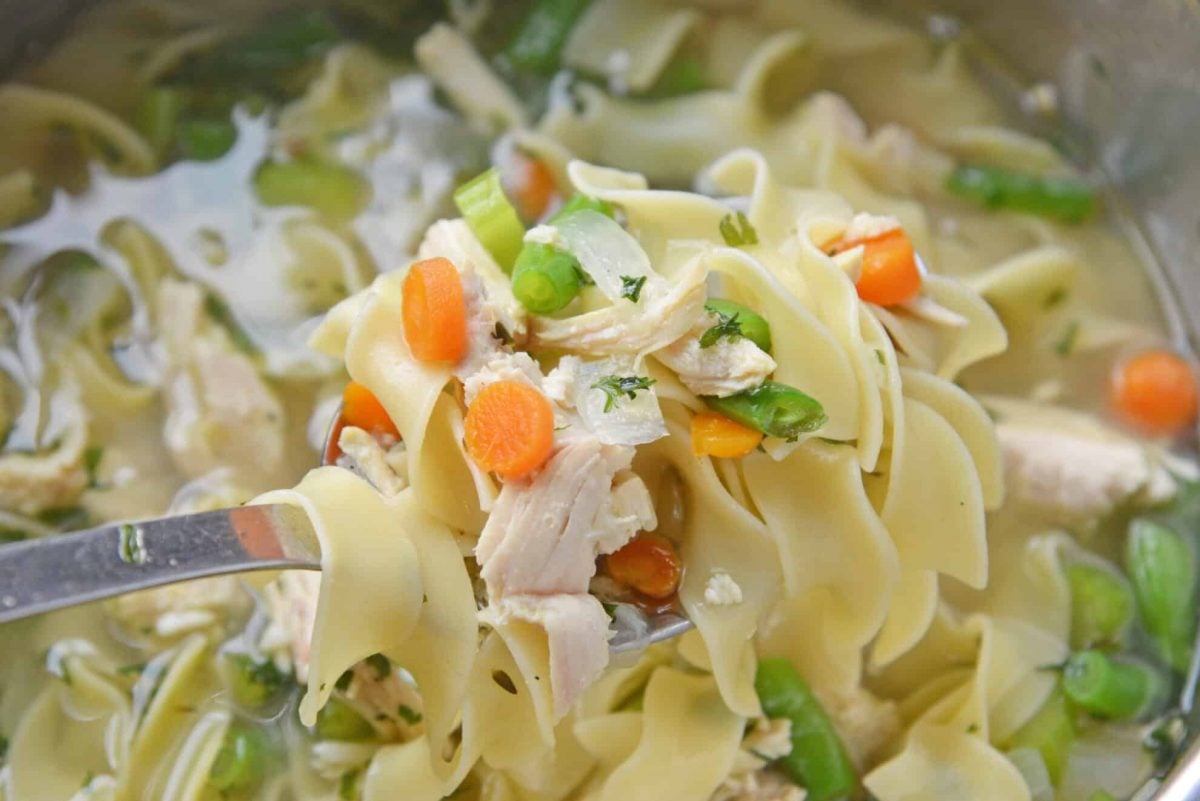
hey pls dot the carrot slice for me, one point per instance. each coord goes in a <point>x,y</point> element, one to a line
<point>360,408</point>
<point>510,428</point>
<point>647,563</point>
<point>716,435</point>
<point>1156,392</point>
<point>536,190</point>
<point>435,311</point>
<point>889,267</point>
<point>333,449</point>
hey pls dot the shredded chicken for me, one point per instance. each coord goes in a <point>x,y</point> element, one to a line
<point>667,311</point>
<point>391,704</point>
<point>219,409</point>
<point>503,366</point>
<point>576,628</point>
<point>385,468</point>
<point>545,533</point>
<point>1070,467</point>
<point>292,608</point>
<point>724,368</point>
<point>868,226</point>
<point>749,779</point>
<point>866,723</point>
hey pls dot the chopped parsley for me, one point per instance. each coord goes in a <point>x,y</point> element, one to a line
<point>1066,343</point>
<point>380,664</point>
<point>1055,297</point>
<point>348,785</point>
<point>411,716</point>
<point>501,333</point>
<point>129,545</point>
<point>631,287</point>
<point>616,386</point>
<point>65,517</point>
<point>737,231</point>
<point>727,327</point>
<point>91,462</point>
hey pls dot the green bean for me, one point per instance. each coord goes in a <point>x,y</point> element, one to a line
<point>579,202</point>
<point>335,191</point>
<point>262,56</point>
<point>1162,568</point>
<point>1106,688</point>
<point>252,683</point>
<point>776,410</point>
<point>818,759</point>
<point>753,325</point>
<point>545,278</point>
<point>1050,732</point>
<point>997,188</point>
<point>337,720</point>
<point>205,140</point>
<point>242,761</point>
<point>491,217</point>
<point>158,115</point>
<point>538,43</point>
<point>1101,605</point>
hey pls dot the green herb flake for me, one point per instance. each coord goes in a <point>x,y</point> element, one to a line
<point>348,785</point>
<point>615,387</point>
<point>737,231</point>
<point>343,682</point>
<point>91,462</point>
<point>380,664</point>
<point>1067,341</point>
<point>411,716</point>
<point>65,517</point>
<point>1056,297</point>
<point>631,287</point>
<point>13,535</point>
<point>130,547</point>
<point>132,670</point>
<point>223,316</point>
<point>727,327</point>
<point>501,333</point>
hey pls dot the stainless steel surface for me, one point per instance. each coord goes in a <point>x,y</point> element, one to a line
<point>54,572</point>
<point>629,636</point>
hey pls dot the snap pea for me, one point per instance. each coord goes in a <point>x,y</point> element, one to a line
<point>205,140</point>
<point>818,759</point>
<point>538,43</point>
<point>242,761</point>
<point>579,202</point>
<point>337,720</point>
<point>775,409</point>
<point>158,114</point>
<point>997,188</point>
<point>262,56</point>
<point>1162,569</point>
<point>1101,605</point>
<point>1110,689</point>
<point>337,192</point>
<point>1050,732</point>
<point>753,325</point>
<point>545,278</point>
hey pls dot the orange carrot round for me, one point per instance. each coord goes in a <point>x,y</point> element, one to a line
<point>536,189</point>
<point>510,428</point>
<point>647,563</point>
<point>360,408</point>
<point>333,449</point>
<point>716,435</point>
<point>435,311</point>
<point>889,270</point>
<point>1156,392</point>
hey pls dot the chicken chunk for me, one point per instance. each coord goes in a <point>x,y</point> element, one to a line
<point>749,780</point>
<point>866,723</point>
<point>1070,467</point>
<point>576,629</point>
<point>220,411</point>
<point>667,311</point>
<point>386,469</point>
<point>292,609</point>
<point>545,533</point>
<point>722,369</point>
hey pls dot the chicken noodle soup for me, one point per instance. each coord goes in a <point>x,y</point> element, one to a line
<point>756,311</point>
